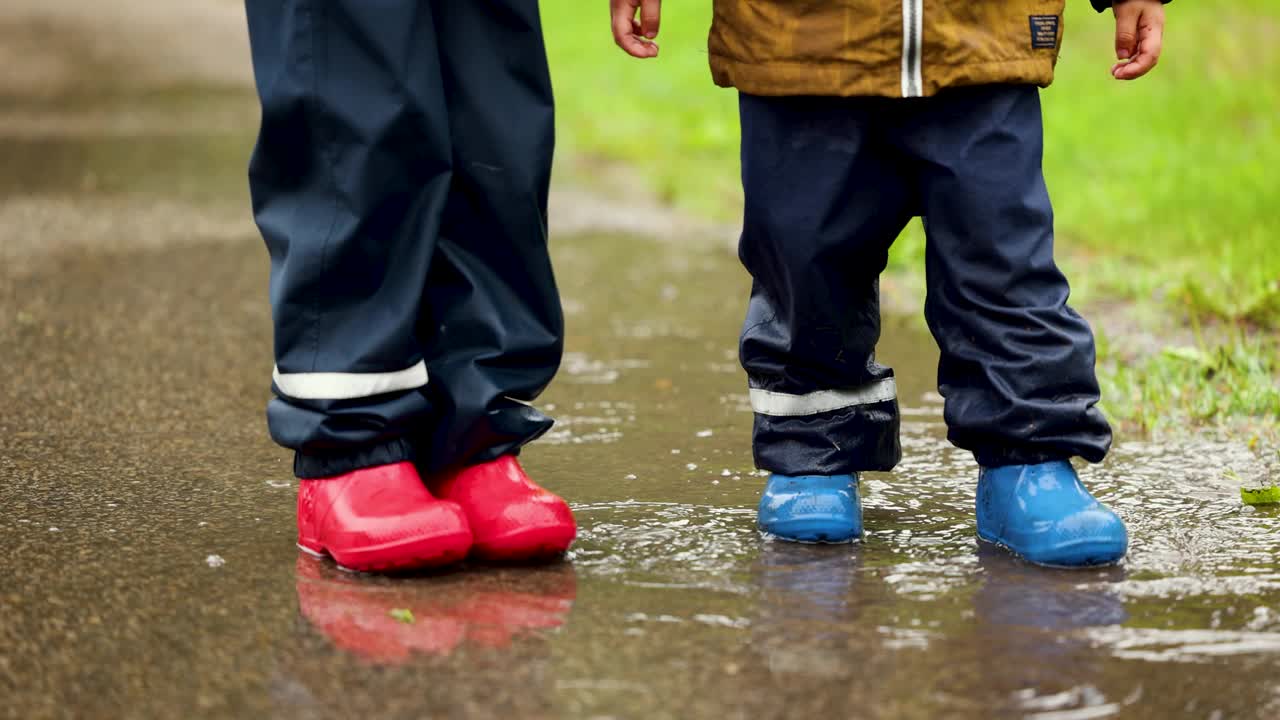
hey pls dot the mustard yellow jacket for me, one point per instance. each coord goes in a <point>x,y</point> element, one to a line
<point>892,48</point>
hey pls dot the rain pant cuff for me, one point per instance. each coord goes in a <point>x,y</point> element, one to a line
<point>1023,455</point>
<point>311,465</point>
<point>837,442</point>
<point>503,430</point>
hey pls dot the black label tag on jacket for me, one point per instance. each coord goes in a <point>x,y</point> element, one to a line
<point>1044,31</point>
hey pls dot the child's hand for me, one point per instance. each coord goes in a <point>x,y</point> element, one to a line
<point>1139,36</point>
<point>632,35</point>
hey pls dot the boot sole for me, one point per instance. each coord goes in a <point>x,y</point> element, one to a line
<point>812,531</point>
<point>416,554</point>
<point>526,544</point>
<point>1081,554</point>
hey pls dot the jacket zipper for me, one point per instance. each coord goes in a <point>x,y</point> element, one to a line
<point>912,32</point>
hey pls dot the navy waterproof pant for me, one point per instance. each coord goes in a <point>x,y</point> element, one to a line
<point>830,183</point>
<point>400,182</point>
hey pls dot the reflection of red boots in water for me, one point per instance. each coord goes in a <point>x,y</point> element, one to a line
<point>387,622</point>
<point>511,517</point>
<point>380,518</point>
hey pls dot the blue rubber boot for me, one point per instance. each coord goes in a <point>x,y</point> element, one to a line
<point>812,508</point>
<point>1044,514</point>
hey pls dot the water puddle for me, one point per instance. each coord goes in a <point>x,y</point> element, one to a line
<point>148,521</point>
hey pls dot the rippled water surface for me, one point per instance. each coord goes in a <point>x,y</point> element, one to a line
<point>149,567</point>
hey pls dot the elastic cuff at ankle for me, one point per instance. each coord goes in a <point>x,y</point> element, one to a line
<point>311,465</point>
<point>1001,457</point>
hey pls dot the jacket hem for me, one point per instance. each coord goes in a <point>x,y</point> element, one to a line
<point>851,79</point>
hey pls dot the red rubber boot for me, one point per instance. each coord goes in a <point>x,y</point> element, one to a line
<point>511,517</point>
<point>380,519</point>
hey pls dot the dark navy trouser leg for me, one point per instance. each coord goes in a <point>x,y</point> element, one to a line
<point>366,189</point>
<point>824,201</point>
<point>1017,367</point>
<point>491,312</point>
<point>829,183</point>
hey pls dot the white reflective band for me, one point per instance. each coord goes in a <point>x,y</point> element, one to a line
<point>767,402</point>
<point>344,386</point>
<point>912,48</point>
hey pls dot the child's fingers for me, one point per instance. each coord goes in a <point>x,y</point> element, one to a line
<point>1150,44</point>
<point>622,13</point>
<point>1126,30</point>
<point>625,31</point>
<point>650,47</point>
<point>650,11</point>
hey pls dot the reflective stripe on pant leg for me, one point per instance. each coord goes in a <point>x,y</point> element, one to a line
<point>827,432</point>
<point>768,402</point>
<point>345,386</point>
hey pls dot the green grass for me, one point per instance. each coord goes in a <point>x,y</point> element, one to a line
<point>1231,383</point>
<point>1165,189</point>
<point>663,117</point>
<point>1170,180</point>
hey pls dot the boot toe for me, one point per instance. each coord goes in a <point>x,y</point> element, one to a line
<point>431,536</point>
<point>813,528</point>
<point>1092,537</point>
<point>512,518</point>
<point>1044,514</point>
<point>1087,538</point>
<point>539,527</point>
<point>814,509</point>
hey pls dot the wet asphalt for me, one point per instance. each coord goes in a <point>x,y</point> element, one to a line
<point>148,566</point>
